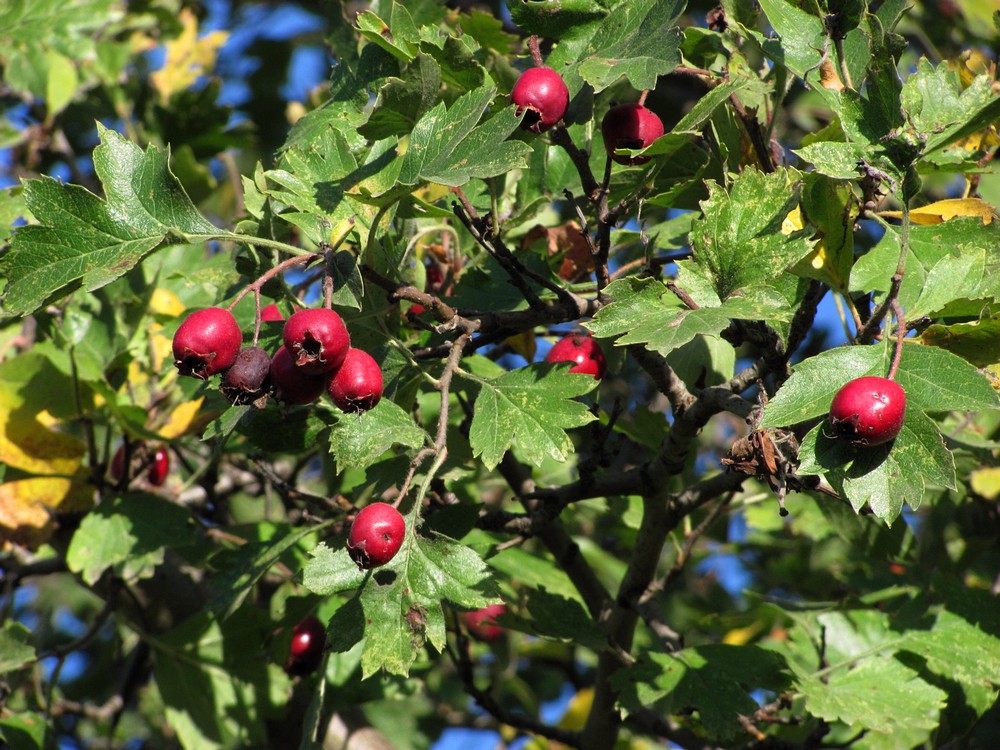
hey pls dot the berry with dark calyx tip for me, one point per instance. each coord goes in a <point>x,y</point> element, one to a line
<point>207,342</point>
<point>317,339</point>
<point>159,467</point>
<point>630,126</point>
<point>271,312</point>
<point>290,384</point>
<point>249,377</point>
<point>868,411</point>
<point>376,535</point>
<point>357,385</point>
<point>482,622</point>
<point>584,351</point>
<point>543,93</point>
<point>306,651</point>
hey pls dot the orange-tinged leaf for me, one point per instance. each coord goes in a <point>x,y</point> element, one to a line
<point>183,420</point>
<point>188,57</point>
<point>935,213</point>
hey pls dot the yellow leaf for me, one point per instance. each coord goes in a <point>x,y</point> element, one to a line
<point>578,710</point>
<point>182,419</point>
<point>165,302</point>
<point>986,482</point>
<point>188,57</point>
<point>793,222</point>
<point>524,344</point>
<point>742,636</point>
<point>160,348</point>
<point>935,213</point>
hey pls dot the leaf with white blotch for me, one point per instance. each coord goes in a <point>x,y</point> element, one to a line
<point>358,439</point>
<point>739,241</point>
<point>934,380</point>
<point>331,571</point>
<point>639,41</point>
<point>84,241</point>
<point>643,311</point>
<point>530,409</point>
<point>878,694</point>
<point>403,601</point>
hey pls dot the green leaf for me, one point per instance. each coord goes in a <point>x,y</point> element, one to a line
<point>240,569</point>
<point>801,38</point>
<point>715,679</point>
<point>739,240</point>
<point>403,101</point>
<point>129,534</point>
<point>398,37</point>
<point>484,152</point>
<point>978,343</point>
<point>85,241</point>
<point>536,16</point>
<point>27,730</point>
<point>835,158</point>
<point>403,600</point>
<point>216,694</point>
<point>877,694</point>
<point>358,439</point>
<point>639,41</point>
<point>642,311</point>
<point>938,106</point>
<point>16,650</point>
<point>530,408</point>
<point>331,572</point>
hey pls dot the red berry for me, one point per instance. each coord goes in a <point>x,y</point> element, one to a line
<point>207,342</point>
<point>543,93</point>
<point>306,650</point>
<point>416,309</point>
<point>868,411</point>
<point>357,385</point>
<point>584,351</point>
<point>317,338</point>
<point>159,468</point>
<point>118,464</point>
<point>482,622</point>
<point>376,535</point>
<point>247,380</point>
<point>630,126</point>
<point>290,383</point>
<point>271,312</point>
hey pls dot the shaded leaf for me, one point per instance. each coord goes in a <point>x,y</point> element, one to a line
<point>358,439</point>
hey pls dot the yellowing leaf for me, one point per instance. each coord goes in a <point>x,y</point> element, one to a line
<point>182,420</point>
<point>935,213</point>
<point>742,636</point>
<point>160,348</point>
<point>524,344</point>
<point>165,302</point>
<point>986,482</point>
<point>188,57</point>
<point>793,222</point>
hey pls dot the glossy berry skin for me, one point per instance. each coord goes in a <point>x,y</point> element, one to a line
<point>306,651</point>
<point>583,351</point>
<point>207,343</point>
<point>481,623</point>
<point>868,411</point>
<point>118,464</point>
<point>317,339</point>
<point>543,93</point>
<point>290,384</point>
<point>249,377</point>
<point>357,384</point>
<point>376,535</point>
<point>159,468</point>
<point>630,126</point>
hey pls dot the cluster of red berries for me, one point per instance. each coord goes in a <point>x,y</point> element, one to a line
<point>542,97</point>
<point>316,357</point>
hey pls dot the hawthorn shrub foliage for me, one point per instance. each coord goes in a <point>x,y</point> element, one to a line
<point>822,152</point>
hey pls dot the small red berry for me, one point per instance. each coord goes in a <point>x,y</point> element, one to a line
<point>118,464</point>
<point>317,338</point>
<point>306,650</point>
<point>868,411</point>
<point>482,622</point>
<point>376,535</point>
<point>159,468</point>
<point>290,384</point>
<point>207,342</point>
<point>630,126</point>
<point>584,351</point>
<point>248,379</point>
<point>543,93</point>
<point>357,385</point>
<point>416,309</point>
<point>271,312</point>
